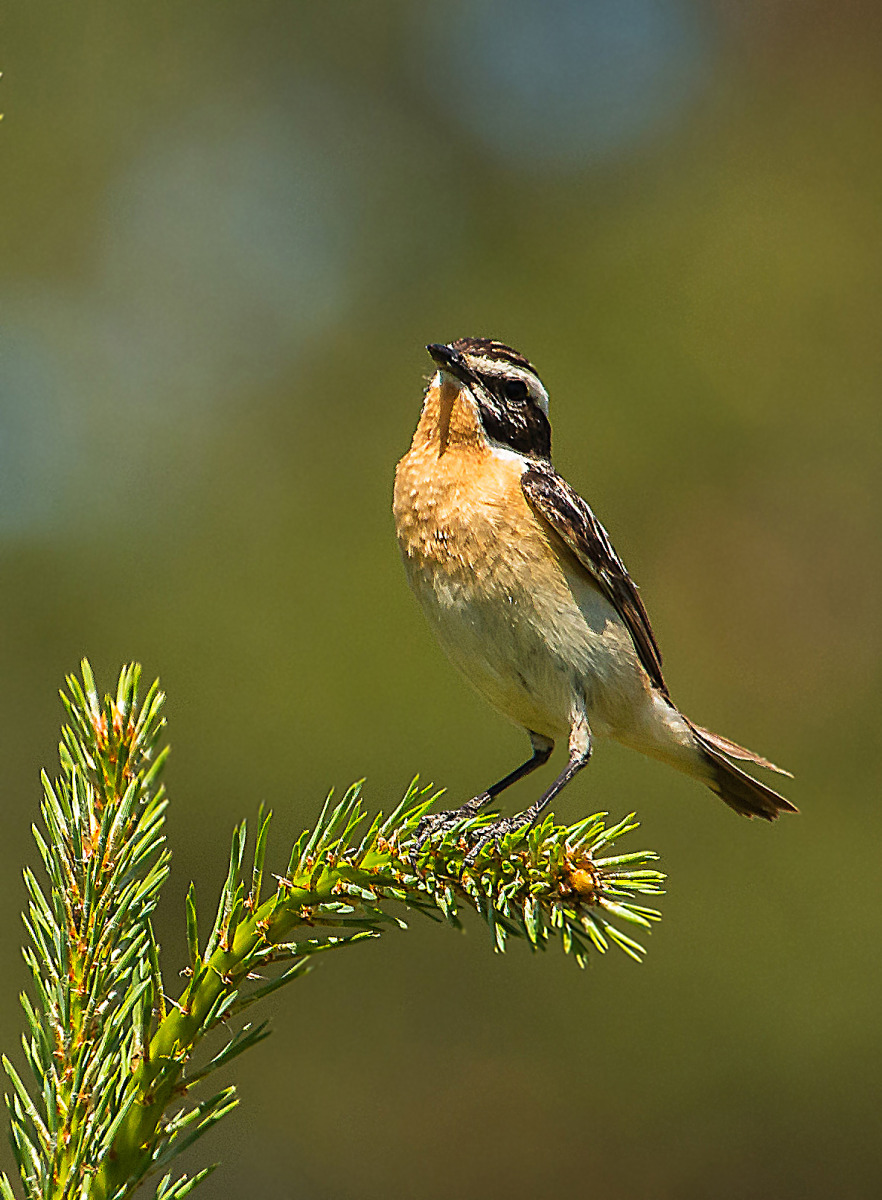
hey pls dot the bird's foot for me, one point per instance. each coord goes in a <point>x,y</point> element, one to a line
<point>491,835</point>
<point>438,825</point>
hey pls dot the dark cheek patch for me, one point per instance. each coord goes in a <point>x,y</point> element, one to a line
<point>524,428</point>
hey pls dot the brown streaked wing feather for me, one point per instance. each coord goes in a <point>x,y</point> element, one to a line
<point>574,522</point>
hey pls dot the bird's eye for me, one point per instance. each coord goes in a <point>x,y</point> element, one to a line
<point>515,390</point>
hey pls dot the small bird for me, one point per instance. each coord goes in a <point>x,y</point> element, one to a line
<point>527,596</point>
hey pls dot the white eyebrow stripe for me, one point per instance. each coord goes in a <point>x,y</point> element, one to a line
<point>505,370</point>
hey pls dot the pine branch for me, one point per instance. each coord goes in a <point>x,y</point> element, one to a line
<point>110,1058</point>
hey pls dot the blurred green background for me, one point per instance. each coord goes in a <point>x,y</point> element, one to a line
<point>228,231</point>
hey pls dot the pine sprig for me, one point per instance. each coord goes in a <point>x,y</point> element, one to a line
<point>91,951</point>
<point>110,1058</point>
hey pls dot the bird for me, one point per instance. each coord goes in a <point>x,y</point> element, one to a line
<point>527,596</point>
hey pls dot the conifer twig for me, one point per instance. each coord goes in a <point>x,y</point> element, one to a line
<point>110,1057</point>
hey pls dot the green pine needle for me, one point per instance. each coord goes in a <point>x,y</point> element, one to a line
<point>110,1058</point>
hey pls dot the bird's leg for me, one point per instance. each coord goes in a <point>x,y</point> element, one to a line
<point>580,752</point>
<point>434,823</point>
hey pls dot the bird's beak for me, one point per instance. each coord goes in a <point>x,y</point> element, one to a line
<point>450,360</point>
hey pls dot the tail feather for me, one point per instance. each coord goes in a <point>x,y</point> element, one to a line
<point>738,789</point>
<point>733,750</point>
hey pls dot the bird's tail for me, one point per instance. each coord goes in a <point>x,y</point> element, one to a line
<point>738,789</point>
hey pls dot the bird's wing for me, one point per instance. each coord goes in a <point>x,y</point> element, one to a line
<point>574,522</point>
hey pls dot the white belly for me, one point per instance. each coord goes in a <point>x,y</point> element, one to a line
<point>540,653</point>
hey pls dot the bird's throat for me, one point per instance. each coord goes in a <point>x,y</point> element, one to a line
<point>448,390</point>
<point>449,422</point>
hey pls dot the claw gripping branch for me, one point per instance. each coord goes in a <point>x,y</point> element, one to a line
<point>110,1058</point>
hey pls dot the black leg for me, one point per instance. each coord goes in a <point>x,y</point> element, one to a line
<point>542,748</point>
<point>441,822</point>
<point>491,833</point>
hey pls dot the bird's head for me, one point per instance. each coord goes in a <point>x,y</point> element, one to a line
<point>501,389</point>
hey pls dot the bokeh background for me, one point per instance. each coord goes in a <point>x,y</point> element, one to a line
<point>228,231</point>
